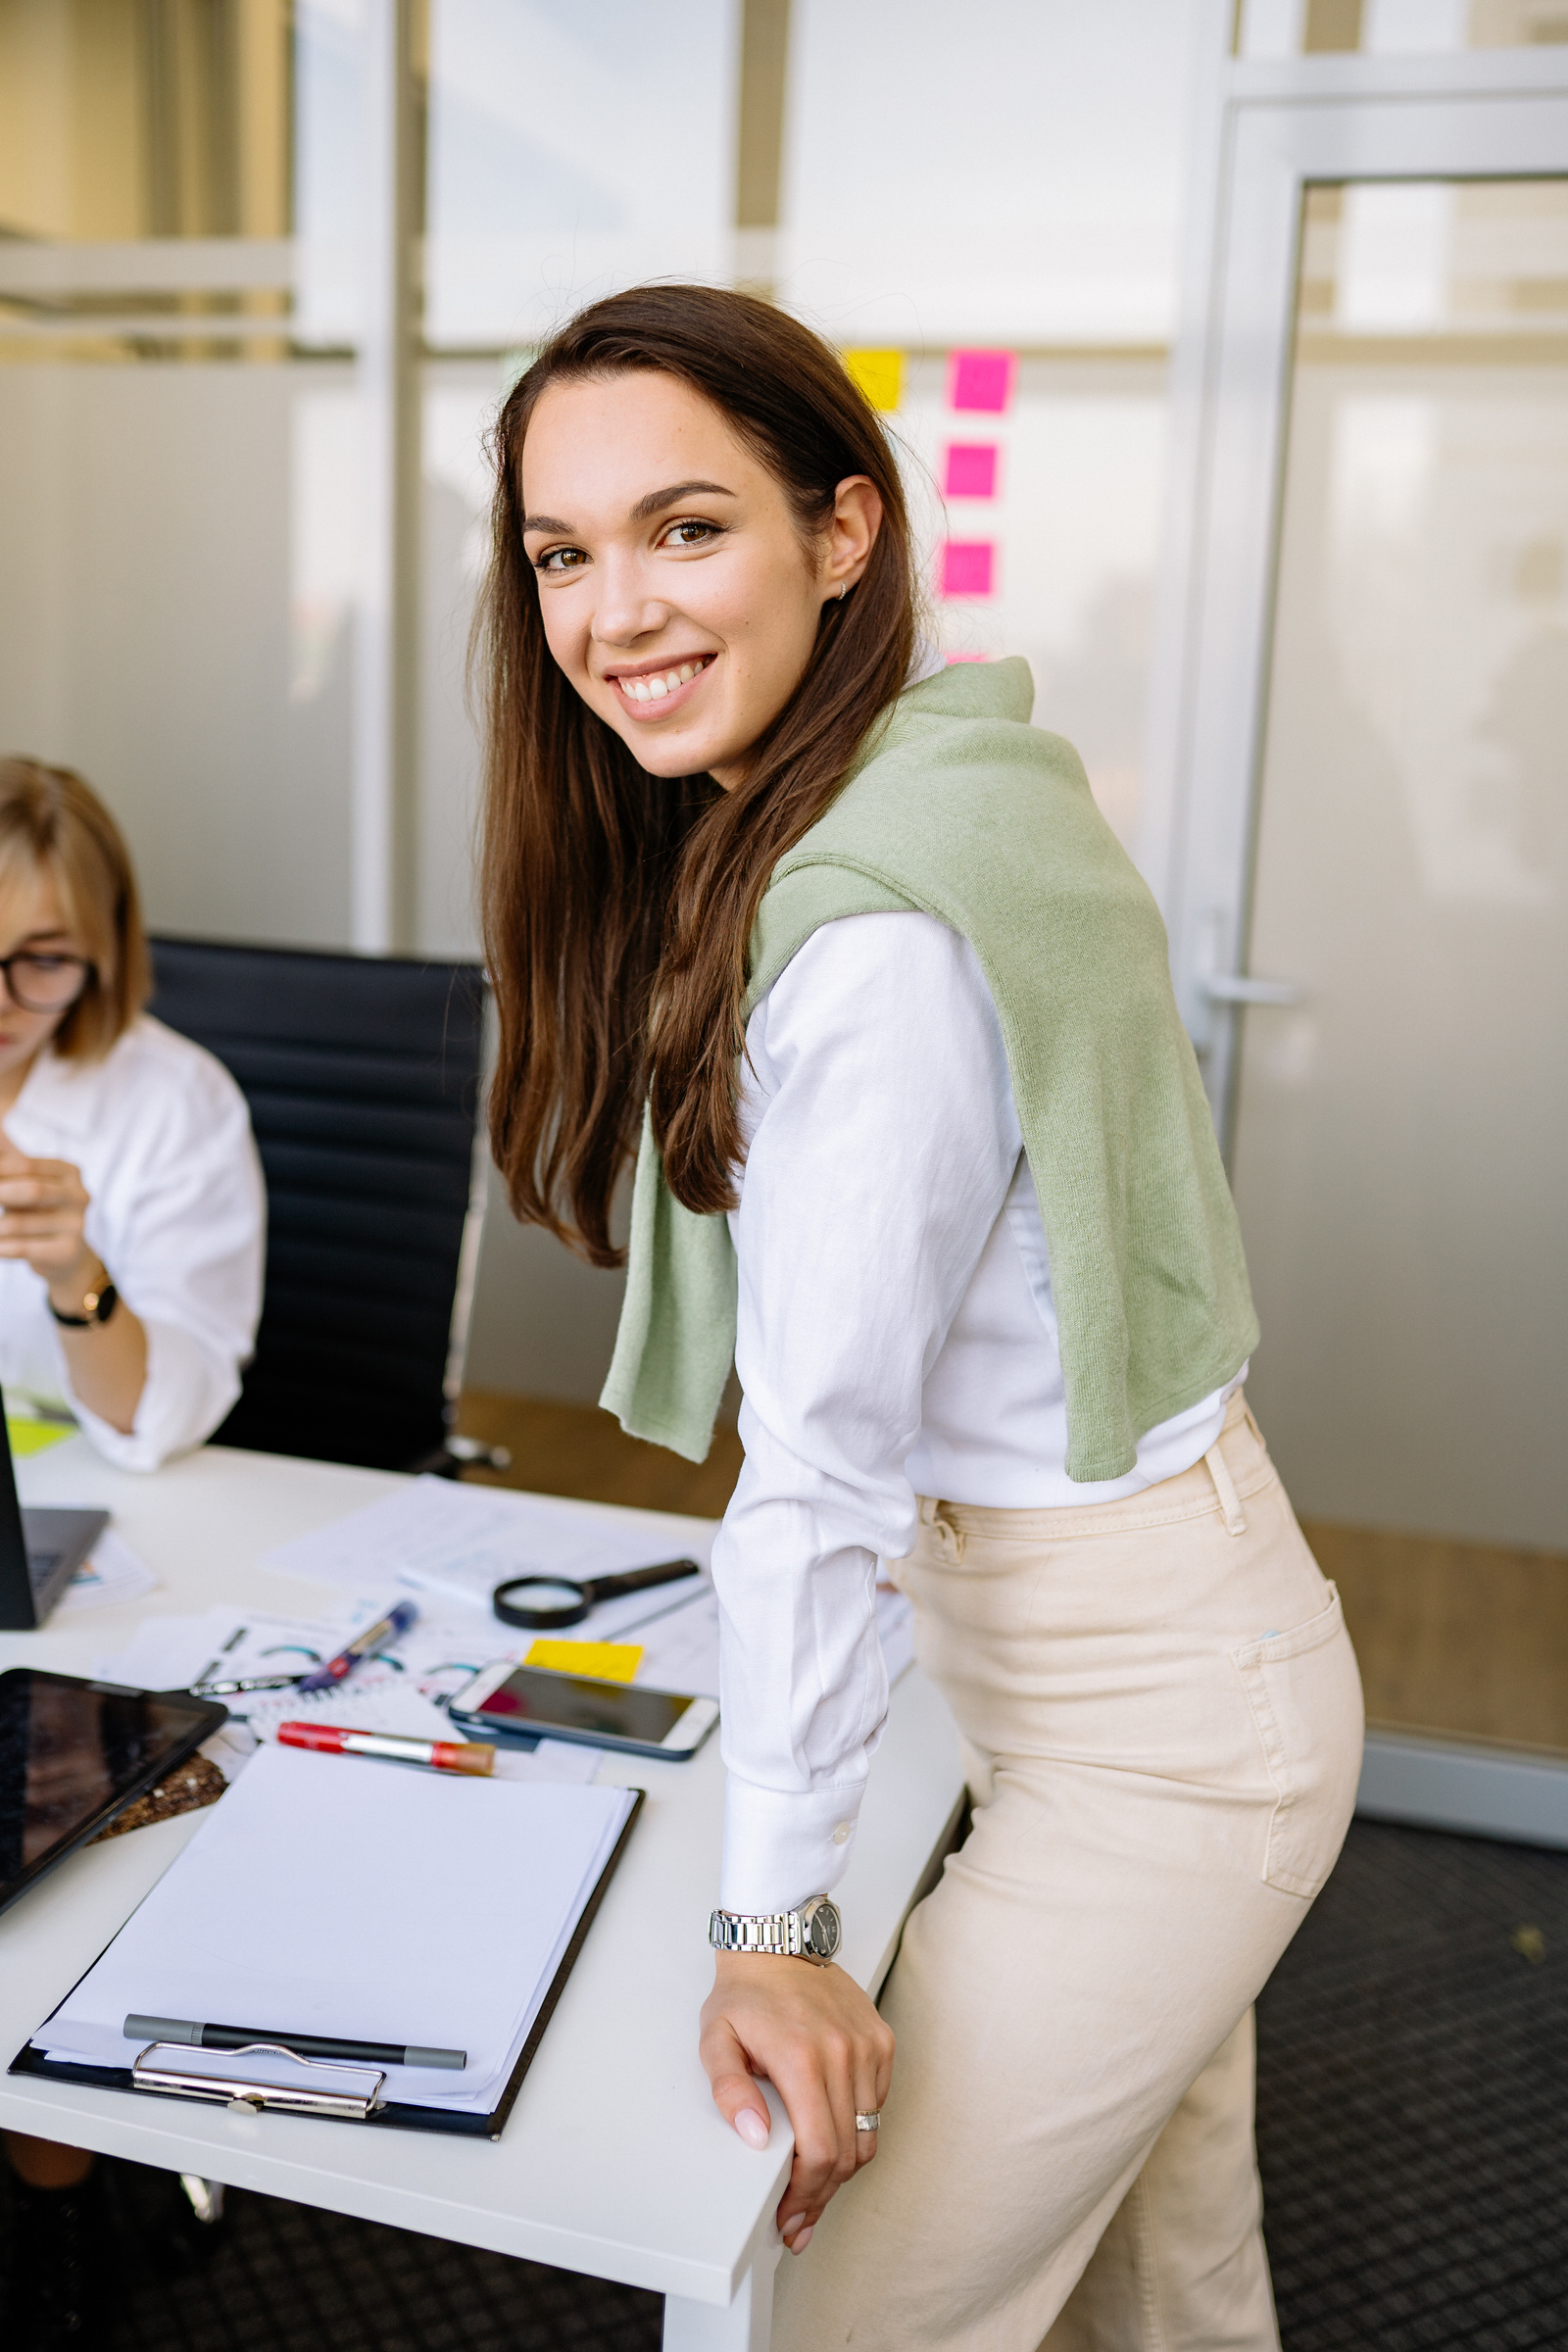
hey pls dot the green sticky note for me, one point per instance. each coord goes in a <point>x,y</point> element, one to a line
<point>36,1437</point>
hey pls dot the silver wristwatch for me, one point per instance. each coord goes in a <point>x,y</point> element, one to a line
<point>812,1932</point>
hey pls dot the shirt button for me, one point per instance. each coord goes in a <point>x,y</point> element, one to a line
<point>843,1833</point>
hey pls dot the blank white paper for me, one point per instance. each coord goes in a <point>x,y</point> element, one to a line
<point>330,1895</point>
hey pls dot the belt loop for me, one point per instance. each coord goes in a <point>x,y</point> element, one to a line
<point>1229,1503</point>
<point>949,1541</point>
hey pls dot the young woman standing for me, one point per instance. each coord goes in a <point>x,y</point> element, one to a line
<point>925,1144</point>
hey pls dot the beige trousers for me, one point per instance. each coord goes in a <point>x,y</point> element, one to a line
<point>1162,1718</point>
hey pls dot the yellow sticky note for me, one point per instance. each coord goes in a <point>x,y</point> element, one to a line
<point>604,1661</point>
<point>36,1437</point>
<point>879,374</point>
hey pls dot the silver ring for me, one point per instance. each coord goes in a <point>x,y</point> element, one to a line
<point>869,2122</point>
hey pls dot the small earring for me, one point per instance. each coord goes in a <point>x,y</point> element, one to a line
<point>844,590</point>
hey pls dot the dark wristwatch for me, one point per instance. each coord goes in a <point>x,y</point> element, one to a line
<point>97,1307</point>
<point>812,1932</point>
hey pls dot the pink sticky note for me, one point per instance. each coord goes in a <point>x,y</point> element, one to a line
<point>950,659</point>
<point>967,566</point>
<point>971,469</point>
<point>980,379</point>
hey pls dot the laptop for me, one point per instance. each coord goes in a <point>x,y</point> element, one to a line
<point>40,1551</point>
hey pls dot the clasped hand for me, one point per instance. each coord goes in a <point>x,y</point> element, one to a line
<point>818,2037</point>
<point>44,1222</point>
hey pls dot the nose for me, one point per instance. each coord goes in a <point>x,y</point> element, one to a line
<point>625,610</point>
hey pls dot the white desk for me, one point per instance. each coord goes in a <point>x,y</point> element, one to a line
<point>614,2161</point>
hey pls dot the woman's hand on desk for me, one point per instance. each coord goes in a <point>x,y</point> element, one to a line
<point>45,1207</point>
<point>816,2037</point>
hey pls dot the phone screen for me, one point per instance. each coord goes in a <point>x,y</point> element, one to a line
<point>531,1695</point>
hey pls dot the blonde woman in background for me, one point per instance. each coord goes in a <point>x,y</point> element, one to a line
<point>132,1218</point>
<point>133,1211</point>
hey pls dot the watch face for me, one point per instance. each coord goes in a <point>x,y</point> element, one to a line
<point>825,1930</point>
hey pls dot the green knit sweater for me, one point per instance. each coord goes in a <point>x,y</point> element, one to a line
<point>960,808</point>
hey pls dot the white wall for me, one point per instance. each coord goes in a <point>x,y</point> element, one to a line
<point>161,629</point>
<point>1008,171</point>
<point>572,150</point>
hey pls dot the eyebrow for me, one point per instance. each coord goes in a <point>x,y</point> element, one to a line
<point>646,508</point>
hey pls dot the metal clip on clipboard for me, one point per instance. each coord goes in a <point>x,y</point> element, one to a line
<point>241,2095</point>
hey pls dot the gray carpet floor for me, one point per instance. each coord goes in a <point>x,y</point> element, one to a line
<point>1413,2101</point>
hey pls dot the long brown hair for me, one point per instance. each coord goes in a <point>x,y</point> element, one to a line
<point>617,906</point>
<point>52,821</point>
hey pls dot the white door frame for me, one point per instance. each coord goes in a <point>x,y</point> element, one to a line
<point>1268,132</point>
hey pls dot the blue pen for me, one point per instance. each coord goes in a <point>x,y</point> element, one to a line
<point>353,1653</point>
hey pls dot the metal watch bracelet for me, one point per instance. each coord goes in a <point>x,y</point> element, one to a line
<point>813,1933</point>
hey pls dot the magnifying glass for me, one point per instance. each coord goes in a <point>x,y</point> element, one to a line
<point>545,1603</point>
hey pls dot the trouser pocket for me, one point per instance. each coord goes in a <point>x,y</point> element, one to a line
<point>1304,1694</point>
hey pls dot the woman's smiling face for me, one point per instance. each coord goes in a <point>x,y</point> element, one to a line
<point>675,591</point>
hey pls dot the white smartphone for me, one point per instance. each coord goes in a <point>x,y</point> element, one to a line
<point>531,1702</point>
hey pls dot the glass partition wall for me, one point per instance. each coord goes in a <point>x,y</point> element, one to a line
<point>265,270</point>
<point>1272,29</point>
<point>178,446</point>
<point>265,267</point>
<point>1402,1129</point>
<point>1364,859</point>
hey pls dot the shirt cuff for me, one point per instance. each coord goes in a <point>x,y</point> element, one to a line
<point>782,1847</point>
<point>184,1395</point>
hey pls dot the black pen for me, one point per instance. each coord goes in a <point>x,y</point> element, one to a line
<point>300,2045</point>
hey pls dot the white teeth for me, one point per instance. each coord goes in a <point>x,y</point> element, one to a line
<point>655,689</point>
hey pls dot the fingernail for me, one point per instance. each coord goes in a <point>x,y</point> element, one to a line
<point>801,2239</point>
<point>752,2127</point>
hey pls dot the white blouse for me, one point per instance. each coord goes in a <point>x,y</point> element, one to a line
<point>896,1337</point>
<point>163,1139</point>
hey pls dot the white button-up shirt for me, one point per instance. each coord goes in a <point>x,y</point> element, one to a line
<point>163,1139</point>
<point>895,1337</point>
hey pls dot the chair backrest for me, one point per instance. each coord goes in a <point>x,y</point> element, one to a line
<point>364,1079</point>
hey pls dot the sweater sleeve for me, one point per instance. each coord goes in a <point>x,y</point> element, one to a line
<point>881,1139</point>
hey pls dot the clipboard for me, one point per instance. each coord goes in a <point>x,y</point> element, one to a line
<point>168,2070</point>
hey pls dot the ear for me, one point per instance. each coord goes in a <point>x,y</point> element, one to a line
<point>850,535</point>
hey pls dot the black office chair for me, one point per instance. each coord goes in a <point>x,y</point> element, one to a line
<point>364,1077</point>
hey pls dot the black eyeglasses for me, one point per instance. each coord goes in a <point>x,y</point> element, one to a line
<point>46,983</point>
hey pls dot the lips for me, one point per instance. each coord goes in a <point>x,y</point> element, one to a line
<point>653,693</point>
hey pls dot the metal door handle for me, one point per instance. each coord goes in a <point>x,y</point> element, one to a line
<point>1239,987</point>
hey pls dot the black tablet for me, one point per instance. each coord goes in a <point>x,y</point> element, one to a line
<point>75,1753</point>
